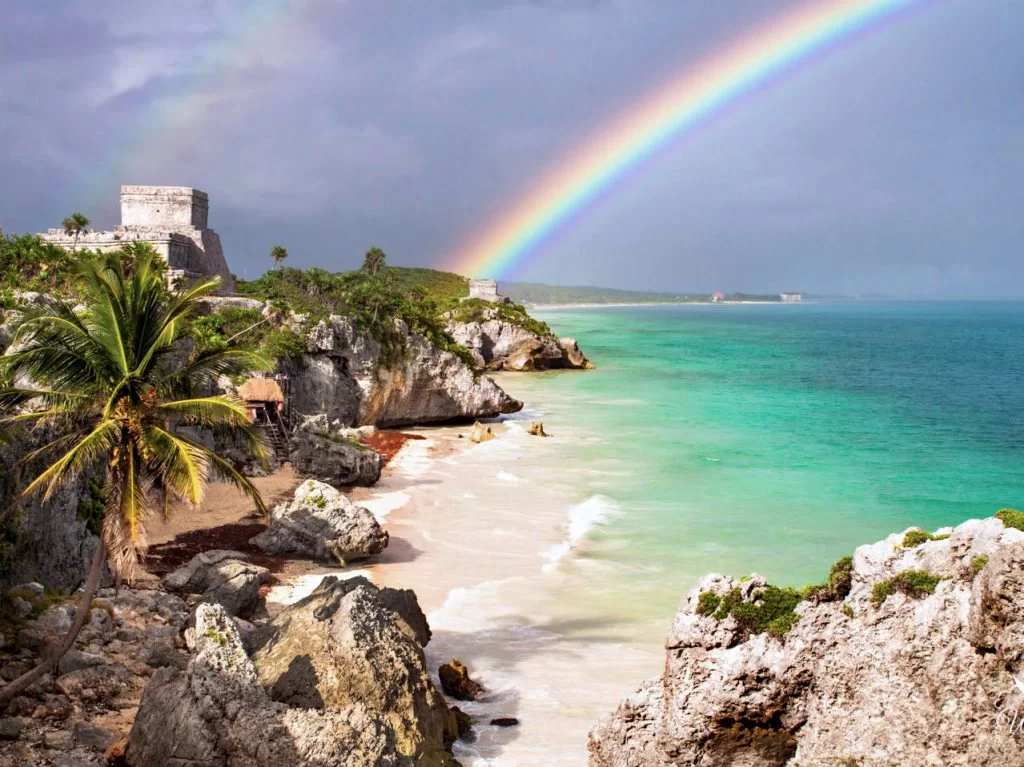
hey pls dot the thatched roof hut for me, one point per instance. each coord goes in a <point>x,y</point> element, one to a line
<point>260,390</point>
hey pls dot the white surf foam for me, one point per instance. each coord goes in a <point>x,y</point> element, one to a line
<point>583,517</point>
<point>505,476</point>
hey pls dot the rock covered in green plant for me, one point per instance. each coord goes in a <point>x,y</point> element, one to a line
<point>896,640</point>
<point>320,523</point>
<point>343,376</point>
<point>506,337</point>
<point>320,450</point>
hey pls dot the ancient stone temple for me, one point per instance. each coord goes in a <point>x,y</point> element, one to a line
<point>173,219</point>
<point>486,290</point>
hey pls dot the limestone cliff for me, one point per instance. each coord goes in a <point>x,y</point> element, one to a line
<point>501,345</point>
<point>342,377</point>
<point>917,658</point>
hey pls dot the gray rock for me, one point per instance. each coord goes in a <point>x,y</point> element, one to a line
<point>217,714</point>
<point>59,740</point>
<point>76,659</point>
<point>506,346</point>
<point>22,607</point>
<point>321,523</point>
<point>320,451</point>
<point>915,679</point>
<point>10,728</point>
<point>91,736</point>
<point>343,378</point>
<point>223,577</point>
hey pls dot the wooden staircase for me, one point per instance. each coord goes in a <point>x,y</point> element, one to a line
<point>277,437</point>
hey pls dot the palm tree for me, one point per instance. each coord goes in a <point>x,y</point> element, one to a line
<point>374,261</point>
<point>279,253</point>
<point>112,383</point>
<point>75,224</point>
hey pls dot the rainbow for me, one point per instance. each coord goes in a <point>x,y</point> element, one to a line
<point>519,234</point>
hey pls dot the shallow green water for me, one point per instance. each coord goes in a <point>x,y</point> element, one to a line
<point>778,438</point>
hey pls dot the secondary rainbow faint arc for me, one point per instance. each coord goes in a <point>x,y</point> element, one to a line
<point>686,102</point>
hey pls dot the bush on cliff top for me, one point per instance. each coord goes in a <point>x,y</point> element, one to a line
<point>913,583</point>
<point>914,538</point>
<point>478,310</point>
<point>771,610</point>
<point>1011,518</point>
<point>375,296</point>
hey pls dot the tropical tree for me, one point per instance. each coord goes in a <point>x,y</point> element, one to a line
<point>374,262</point>
<point>279,253</point>
<point>75,224</point>
<point>110,381</point>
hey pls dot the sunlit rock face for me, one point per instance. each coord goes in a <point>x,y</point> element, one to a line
<point>886,675</point>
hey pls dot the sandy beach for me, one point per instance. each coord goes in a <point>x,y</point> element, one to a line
<point>489,548</point>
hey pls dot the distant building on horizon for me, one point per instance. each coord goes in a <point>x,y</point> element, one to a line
<point>717,297</point>
<point>173,219</point>
<point>791,298</point>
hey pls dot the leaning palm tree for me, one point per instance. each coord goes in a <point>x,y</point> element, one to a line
<point>76,224</point>
<point>279,253</point>
<point>111,381</point>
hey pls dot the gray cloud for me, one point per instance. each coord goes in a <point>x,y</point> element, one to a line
<point>892,165</point>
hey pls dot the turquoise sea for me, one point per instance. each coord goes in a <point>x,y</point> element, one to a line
<point>776,438</point>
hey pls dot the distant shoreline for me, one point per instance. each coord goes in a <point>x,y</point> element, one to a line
<point>542,307</point>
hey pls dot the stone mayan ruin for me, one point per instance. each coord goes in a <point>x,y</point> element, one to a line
<point>173,219</point>
<point>486,290</point>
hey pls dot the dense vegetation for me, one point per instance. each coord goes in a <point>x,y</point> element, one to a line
<point>375,296</point>
<point>478,310</point>
<point>27,264</point>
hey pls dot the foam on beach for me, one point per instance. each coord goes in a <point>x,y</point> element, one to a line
<point>583,517</point>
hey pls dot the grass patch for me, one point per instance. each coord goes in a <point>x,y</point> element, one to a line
<point>978,564</point>
<point>772,609</point>
<point>915,538</point>
<point>836,587</point>
<point>913,583</point>
<point>1011,518</point>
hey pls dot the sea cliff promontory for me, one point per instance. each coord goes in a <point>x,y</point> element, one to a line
<point>912,653</point>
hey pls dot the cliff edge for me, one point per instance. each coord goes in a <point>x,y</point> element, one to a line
<point>912,653</point>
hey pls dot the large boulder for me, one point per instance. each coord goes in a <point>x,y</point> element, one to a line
<point>318,450</point>
<point>321,523</point>
<point>503,345</point>
<point>222,577</point>
<point>344,377</point>
<point>921,662</point>
<point>338,683</point>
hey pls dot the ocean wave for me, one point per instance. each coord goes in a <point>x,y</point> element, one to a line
<point>583,517</point>
<point>505,476</point>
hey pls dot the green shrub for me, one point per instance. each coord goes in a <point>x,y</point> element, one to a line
<point>318,500</point>
<point>978,564</point>
<point>917,537</point>
<point>847,611</point>
<point>707,603</point>
<point>836,587</point>
<point>913,583</point>
<point>771,610</point>
<point>1011,518</point>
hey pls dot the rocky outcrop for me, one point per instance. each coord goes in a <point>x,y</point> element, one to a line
<point>922,663</point>
<point>343,377</point>
<point>338,681</point>
<point>321,523</point>
<point>319,450</point>
<point>501,345</point>
<point>226,578</point>
<point>45,541</point>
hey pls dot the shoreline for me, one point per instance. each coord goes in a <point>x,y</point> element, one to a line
<point>546,307</point>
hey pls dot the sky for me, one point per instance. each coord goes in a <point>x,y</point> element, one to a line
<point>893,164</point>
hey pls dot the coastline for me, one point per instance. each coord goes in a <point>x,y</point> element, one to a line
<point>491,550</point>
<point>560,307</point>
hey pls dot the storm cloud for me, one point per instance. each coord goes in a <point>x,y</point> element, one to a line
<point>894,164</point>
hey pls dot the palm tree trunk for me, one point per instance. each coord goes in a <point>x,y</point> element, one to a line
<point>52,656</point>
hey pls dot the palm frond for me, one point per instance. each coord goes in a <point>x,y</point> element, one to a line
<point>97,443</point>
<point>227,472</point>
